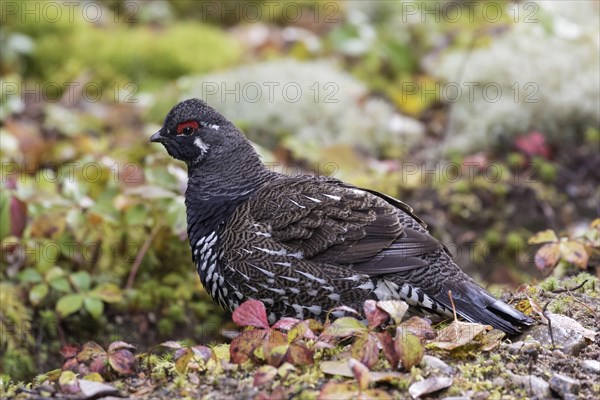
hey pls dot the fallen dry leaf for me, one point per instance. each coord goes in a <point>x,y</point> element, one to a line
<point>336,367</point>
<point>395,308</point>
<point>429,385</point>
<point>457,334</point>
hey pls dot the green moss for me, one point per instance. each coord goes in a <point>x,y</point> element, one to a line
<point>119,59</point>
<point>516,242</point>
<point>165,327</point>
<point>592,136</point>
<point>16,340</point>
<point>545,170</point>
<point>561,305</point>
<point>591,283</point>
<point>176,313</point>
<point>550,284</point>
<point>493,237</point>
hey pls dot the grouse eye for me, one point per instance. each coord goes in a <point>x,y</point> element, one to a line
<point>187,128</point>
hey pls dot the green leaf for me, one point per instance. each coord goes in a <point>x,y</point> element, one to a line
<point>38,293</point>
<point>30,275</point>
<point>90,351</point>
<point>68,382</point>
<point>344,327</point>
<point>409,349</point>
<point>182,361</point>
<point>108,292</point>
<point>61,284</point>
<point>94,306</point>
<point>46,254</point>
<point>68,304</point>
<point>543,237</point>
<point>54,273</point>
<point>81,280</point>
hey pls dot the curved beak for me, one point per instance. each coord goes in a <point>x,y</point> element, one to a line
<point>157,137</point>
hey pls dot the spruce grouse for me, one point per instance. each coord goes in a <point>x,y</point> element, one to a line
<point>305,244</point>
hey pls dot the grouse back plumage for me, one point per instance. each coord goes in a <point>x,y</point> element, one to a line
<point>303,245</point>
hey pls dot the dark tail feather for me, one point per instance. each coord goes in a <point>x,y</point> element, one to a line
<point>476,305</point>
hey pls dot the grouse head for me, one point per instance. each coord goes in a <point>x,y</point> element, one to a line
<point>195,133</point>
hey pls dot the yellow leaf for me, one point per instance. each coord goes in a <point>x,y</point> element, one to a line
<point>543,237</point>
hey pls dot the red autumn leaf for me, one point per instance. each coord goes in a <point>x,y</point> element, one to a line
<point>547,256</point>
<point>71,365</point>
<point>90,351</point>
<point>361,373</point>
<point>171,344</point>
<point>574,253</point>
<point>18,217</point>
<point>420,327</point>
<point>202,352</point>
<point>99,364</point>
<point>365,349</point>
<point>82,370</point>
<point>533,144</point>
<point>251,313</point>
<point>304,330</point>
<point>275,347</point>
<point>299,354</point>
<point>475,163</point>
<point>17,211</point>
<point>286,323</point>
<point>276,355</point>
<point>264,375</point>
<point>387,345</point>
<point>122,361</point>
<point>242,346</point>
<point>375,315</point>
<point>118,345</point>
<point>70,350</point>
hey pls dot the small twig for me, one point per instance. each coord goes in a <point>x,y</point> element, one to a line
<point>583,304</point>
<point>549,324</point>
<point>140,256</point>
<point>453,306</point>
<point>569,289</point>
